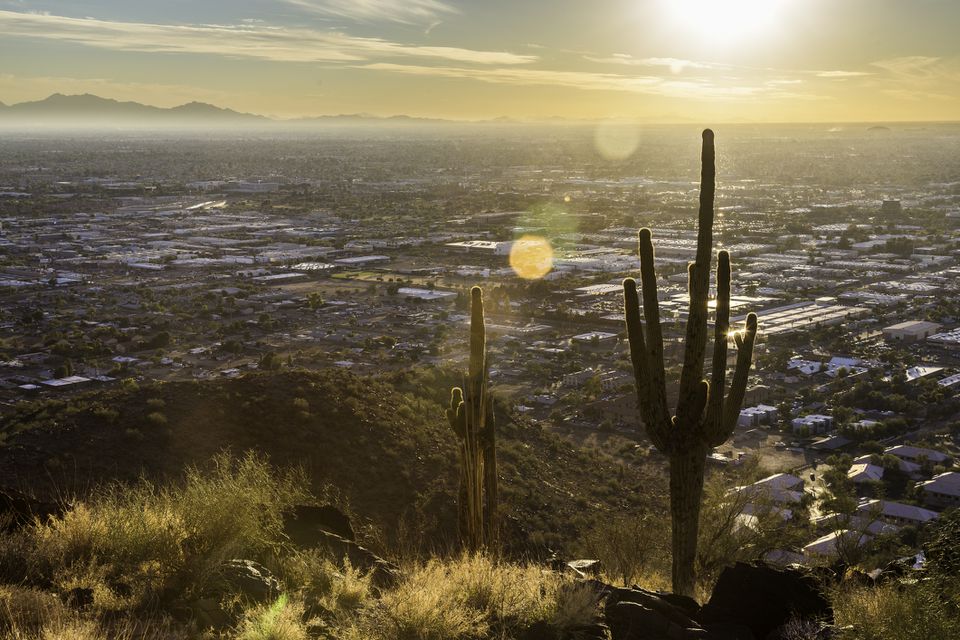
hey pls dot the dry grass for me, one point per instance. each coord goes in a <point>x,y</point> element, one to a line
<point>133,546</point>
<point>476,596</point>
<point>920,611</point>
<point>139,552</point>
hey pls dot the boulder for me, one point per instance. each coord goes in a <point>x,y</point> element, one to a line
<point>764,598</point>
<point>636,614</point>
<point>305,522</point>
<point>584,568</point>
<point>246,578</point>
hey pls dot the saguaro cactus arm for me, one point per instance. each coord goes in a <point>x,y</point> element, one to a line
<point>738,387</point>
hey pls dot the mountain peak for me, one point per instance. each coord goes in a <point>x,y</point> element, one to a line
<point>88,108</point>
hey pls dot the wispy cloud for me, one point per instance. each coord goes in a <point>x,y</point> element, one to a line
<point>584,80</point>
<point>841,74</point>
<point>403,11</point>
<point>676,65</point>
<point>239,41</point>
<point>918,67</point>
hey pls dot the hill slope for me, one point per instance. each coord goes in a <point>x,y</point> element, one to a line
<point>390,454</point>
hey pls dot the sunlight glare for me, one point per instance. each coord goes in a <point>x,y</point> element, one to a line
<point>719,20</point>
<point>531,257</point>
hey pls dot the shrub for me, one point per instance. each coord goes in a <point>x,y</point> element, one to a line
<point>339,591</point>
<point>278,621</point>
<point>144,541</point>
<point>157,419</point>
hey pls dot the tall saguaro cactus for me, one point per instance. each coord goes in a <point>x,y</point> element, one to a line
<point>704,417</point>
<point>470,415</point>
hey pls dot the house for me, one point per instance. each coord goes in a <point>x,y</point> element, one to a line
<point>780,488</point>
<point>905,466</point>
<point>942,490</point>
<point>897,512</point>
<point>828,546</point>
<point>917,454</point>
<point>865,472</point>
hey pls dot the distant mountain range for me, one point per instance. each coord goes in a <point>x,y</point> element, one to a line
<point>91,110</point>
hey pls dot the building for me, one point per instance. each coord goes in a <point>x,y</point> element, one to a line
<point>756,416</point>
<point>942,491</point>
<point>425,294</point>
<point>814,423</point>
<point>828,546</point>
<point>917,455</point>
<point>862,472</point>
<point>595,339</point>
<point>488,247</point>
<point>946,340</point>
<point>911,331</point>
<point>896,512</point>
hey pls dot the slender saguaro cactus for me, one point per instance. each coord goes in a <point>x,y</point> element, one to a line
<point>470,415</point>
<point>704,418</point>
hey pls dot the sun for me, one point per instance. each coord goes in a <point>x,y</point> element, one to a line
<point>725,20</point>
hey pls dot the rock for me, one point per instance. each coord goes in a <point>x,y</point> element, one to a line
<point>584,568</point>
<point>383,573</point>
<point>634,614</point>
<point>247,578</point>
<point>764,598</point>
<point>19,510</point>
<point>304,524</point>
<point>78,598</point>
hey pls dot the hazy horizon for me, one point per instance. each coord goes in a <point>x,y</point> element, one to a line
<point>650,61</point>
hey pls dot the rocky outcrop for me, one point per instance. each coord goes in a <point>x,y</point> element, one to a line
<point>329,529</point>
<point>765,598</point>
<point>749,602</point>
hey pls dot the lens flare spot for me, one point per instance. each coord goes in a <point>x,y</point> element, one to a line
<point>531,257</point>
<point>616,141</point>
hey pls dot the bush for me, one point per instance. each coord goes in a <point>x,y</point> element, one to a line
<point>339,591</point>
<point>134,544</point>
<point>157,419</point>
<point>278,621</point>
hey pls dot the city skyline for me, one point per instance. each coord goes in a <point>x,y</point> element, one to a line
<point>653,61</point>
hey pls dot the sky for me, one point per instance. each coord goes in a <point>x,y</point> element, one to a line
<point>648,61</point>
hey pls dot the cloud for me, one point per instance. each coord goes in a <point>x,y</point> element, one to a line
<point>841,74</point>
<point>676,65</point>
<point>583,80</point>
<point>918,67</point>
<point>238,41</point>
<point>402,11</point>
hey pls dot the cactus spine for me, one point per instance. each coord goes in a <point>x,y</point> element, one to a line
<point>470,415</point>
<point>704,418</point>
